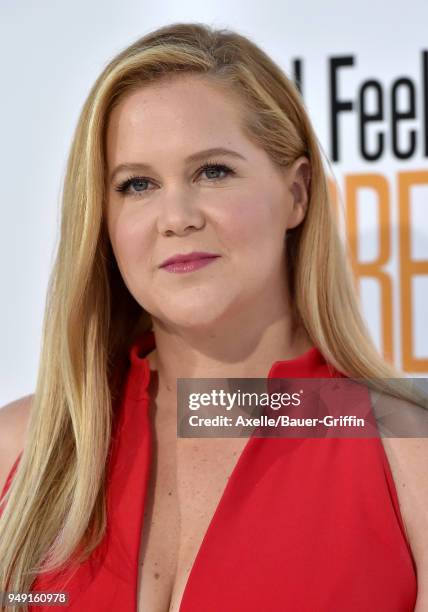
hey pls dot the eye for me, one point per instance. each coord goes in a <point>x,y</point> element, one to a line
<point>135,185</point>
<point>212,166</point>
<point>137,182</point>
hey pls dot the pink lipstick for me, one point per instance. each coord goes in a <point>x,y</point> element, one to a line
<point>188,262</point>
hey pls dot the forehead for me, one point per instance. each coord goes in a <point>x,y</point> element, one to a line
<point>187,111</point>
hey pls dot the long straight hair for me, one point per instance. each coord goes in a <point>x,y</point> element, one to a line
<point>91,318</point>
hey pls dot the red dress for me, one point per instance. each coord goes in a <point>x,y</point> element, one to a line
<point>303,525</point>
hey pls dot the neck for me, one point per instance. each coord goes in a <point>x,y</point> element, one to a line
<point>238,349</point>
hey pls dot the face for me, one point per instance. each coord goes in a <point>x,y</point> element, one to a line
<point>162,202</point>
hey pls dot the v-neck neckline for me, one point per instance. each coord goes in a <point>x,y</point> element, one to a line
<point>306,363</point>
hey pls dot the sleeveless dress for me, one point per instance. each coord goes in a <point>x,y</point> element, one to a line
<point>303,525</point>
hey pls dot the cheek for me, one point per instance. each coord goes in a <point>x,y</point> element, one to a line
<point>130,241</point>
<point>252,221</point>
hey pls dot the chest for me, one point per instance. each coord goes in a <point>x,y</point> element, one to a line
<point>187,480</point>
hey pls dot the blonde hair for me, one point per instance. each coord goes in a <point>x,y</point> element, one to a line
<point>91,318</point>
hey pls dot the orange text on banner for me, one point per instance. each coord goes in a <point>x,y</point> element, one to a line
<point>408,267</point>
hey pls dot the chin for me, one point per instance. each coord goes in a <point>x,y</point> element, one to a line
<point>199,317</point>
<point>189,321</point>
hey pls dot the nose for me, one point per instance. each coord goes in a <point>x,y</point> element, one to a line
<point>179,212</point>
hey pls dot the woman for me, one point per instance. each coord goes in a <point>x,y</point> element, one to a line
<point>192,141</point>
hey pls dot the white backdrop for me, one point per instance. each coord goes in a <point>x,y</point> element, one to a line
<point>52,53</point>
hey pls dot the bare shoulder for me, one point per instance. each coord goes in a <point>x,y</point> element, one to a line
<point>404,426</point>
<point>13,426</point>
<point>408,460</point>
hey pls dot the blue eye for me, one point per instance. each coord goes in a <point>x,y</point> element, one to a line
<point>216,168</point>
<point>138,181</point>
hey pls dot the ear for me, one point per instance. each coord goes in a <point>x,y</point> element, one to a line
<point>299,180</point>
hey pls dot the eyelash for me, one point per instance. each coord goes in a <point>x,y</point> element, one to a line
<point>123,188</point>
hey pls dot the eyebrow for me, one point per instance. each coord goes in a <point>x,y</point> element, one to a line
<point>191,158</point>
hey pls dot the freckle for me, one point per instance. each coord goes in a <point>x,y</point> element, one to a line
<point>157,575</point>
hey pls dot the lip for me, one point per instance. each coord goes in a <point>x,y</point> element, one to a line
<point>186,257</point>
<point>188,263</point>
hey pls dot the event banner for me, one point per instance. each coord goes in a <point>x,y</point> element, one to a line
<point>371,116</point>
